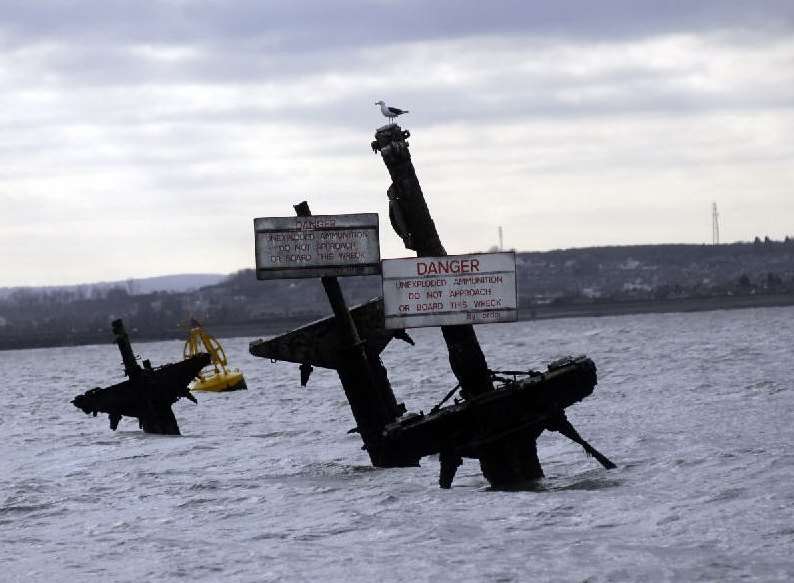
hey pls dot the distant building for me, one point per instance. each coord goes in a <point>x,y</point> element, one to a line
<point>629,264</point>
<point>635,286</point>
<point>592,292</point>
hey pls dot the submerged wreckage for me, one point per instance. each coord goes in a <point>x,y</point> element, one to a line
<point>501,413</point>
<point>148,393</point>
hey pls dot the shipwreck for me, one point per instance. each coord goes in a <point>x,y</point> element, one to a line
<point>148,393</point>
<point>499,414</point>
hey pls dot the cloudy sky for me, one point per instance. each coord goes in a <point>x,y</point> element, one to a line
<point>142,138</point>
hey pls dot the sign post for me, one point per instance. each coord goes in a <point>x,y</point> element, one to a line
<point>449,290</point>
<point>328,246</point>
<point>505,461</point>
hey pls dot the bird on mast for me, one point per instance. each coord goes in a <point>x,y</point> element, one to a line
<point>390,112</point>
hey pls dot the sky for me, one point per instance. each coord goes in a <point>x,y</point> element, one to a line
<point>142,138</point>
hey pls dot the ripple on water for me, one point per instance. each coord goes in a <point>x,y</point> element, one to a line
<point>266,485</point>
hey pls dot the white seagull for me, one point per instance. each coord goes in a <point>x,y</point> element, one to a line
<point>390,112</point>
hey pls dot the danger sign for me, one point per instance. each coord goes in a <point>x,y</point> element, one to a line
<point>443,291</point>
<point>317,245</point>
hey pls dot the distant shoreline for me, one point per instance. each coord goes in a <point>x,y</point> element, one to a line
<point>679,305</point>
<point>263,328</point>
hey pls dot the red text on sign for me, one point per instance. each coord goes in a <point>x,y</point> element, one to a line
<point>447,266</point>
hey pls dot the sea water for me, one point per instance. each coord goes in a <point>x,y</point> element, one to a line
<point>697,410</point>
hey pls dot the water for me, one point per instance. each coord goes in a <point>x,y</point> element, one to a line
<point>265,485</point>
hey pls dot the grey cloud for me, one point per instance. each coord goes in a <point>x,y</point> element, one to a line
<point>65,44</point>
<point>505,95</point>
<point>293,26</point>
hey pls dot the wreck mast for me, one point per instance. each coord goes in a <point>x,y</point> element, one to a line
<point>510,459</point>
<point>363,377</point>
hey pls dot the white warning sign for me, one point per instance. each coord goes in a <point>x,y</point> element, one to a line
<point>317,245</point>
<point>456,289</point>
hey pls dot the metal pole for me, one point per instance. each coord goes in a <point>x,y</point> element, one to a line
<point>369,395</point>
<point>506,461</point>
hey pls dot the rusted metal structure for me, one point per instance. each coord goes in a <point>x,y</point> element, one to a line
<point>147,394</point>
<point>502,461</point>
<point>499,418</point>
<point>350,343</point>
<point>494,425</point>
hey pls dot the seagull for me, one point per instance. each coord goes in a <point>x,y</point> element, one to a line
<point>390,112</point>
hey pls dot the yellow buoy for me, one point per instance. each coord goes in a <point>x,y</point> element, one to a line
<point>219,377</point>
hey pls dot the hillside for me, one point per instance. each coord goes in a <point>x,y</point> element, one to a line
<point>145,285</point>
<point>564,282</point>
